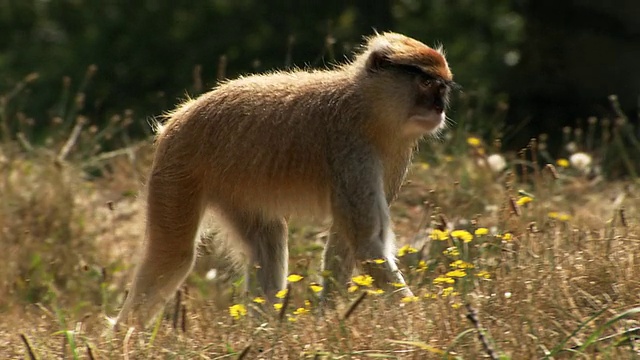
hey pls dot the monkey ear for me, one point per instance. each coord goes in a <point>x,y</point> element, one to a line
<point>378,60</point>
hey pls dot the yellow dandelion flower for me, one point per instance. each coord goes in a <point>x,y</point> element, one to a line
<point>443,280</point>
<point>507,237</point>
<point>481,231</point>
<point>439,235</point>
<point>294,278</point>
<point>431,296</point>
<point>352,288</point>
<point>282,293</point>
<point>422,266</point>
<point>473,141</point>
<point>456,305</point>
<point>277,306</point>
<point>461,264</point>
<point>483,274</point>
<point>462,235</point>
<point>398,285</point>
<point>448,291</point>
<point>376,292</point>
<point>407,249</point>
<point>452,251</point>
<point>523,200</point>
<point>562,163</point>
<point>237,311</point>
<point>363,280</point>
<point>259,300</point>
<point>300,311</point>
<point>410,299</point>
<point>458,273</point>
<point>379,261</point>
<point>564,217</point>
<point>307,303</point>
<point>553,214</point>
<point>292,318</point>
<point>315,287</point>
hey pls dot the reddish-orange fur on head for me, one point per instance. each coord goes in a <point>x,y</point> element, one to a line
<point>404,50</point>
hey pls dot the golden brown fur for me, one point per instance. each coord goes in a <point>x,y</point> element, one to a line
<point>317,143</point>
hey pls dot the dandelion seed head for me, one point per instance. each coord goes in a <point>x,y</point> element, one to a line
<point>581,161</point>
<point>496,162</point>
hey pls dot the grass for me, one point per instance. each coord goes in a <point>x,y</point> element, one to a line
<point>539,260</point>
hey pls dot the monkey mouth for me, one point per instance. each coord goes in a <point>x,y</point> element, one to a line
<point>428,122</point>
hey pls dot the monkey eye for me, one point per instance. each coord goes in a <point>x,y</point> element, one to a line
<point>425,79</point>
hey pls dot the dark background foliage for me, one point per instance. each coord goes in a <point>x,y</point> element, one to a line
<point>550,62</point>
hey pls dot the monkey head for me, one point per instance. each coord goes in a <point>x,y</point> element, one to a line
<point>414,82</point>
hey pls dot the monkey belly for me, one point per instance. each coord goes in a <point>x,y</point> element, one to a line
<point>276,198</point>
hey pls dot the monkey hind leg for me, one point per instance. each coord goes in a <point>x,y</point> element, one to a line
<point>265,244</point>
<point>174,213</point>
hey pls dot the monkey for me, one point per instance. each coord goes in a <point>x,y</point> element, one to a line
<point>333,143</point>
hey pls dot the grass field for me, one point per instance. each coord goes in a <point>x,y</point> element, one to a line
<point>525,262</point>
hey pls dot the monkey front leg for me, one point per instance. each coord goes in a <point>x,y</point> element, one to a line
<point>362,222</point>
<point>338,263</point>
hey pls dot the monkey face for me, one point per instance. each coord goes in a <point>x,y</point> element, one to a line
<point>421,77</point>
<point>431,98</point>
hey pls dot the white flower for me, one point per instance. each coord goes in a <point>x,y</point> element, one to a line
<point>496,162</point>
<point>581,161</point>
<point>211,274</point>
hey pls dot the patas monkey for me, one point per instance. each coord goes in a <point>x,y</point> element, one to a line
<point>261,148</point>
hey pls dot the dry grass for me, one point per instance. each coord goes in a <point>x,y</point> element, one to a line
<point>556,277</point>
